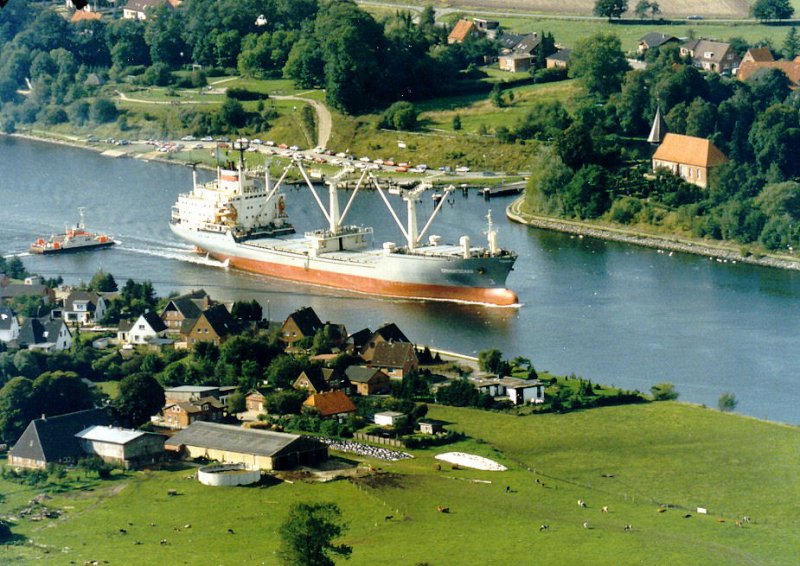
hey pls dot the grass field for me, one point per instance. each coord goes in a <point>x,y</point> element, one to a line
<point>631,459</point>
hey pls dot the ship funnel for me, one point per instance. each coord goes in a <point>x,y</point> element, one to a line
<point>464,241</point>
<point>434,239</point>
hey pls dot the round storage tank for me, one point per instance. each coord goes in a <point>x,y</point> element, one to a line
<point>227,475</point>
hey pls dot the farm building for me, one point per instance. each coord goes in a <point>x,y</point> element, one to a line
<point>257,449</point>
<point>129,448</point>
<point>52,439</point>
<point>387,418</point>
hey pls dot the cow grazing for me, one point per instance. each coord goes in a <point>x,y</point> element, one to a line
<point>543,527</point>
<point>604,509</point>
<point>581,503</point>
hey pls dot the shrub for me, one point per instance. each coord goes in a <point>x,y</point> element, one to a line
<point>400,116</point>
<point>244,94</point>
<point>549,75</point>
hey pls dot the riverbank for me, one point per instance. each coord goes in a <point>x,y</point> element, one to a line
<point>717,251</point>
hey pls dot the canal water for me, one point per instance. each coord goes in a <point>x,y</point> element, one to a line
<point>610,312</point>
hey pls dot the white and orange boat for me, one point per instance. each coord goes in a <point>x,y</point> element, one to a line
<point>244,223</point>
<point>76,239</point>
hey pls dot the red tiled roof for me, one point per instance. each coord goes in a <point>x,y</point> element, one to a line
<point>461,31</point>
<point>331,403</point>
<point>790,68</point>
<point>689,150</point>
<point>83,15</point>
<point>760,54</point>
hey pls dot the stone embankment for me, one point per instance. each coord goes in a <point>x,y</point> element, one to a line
<point>665,243</point>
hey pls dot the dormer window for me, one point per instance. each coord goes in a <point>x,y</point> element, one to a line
<point>708,55</point>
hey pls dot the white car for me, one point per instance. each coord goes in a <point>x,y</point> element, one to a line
<point>422,166</point>
<point>257,141</point>
<point>365,159</point>
<point>188,138</point>
<point>207,139</point>
<point>335,161</point>
<point>198,146</point>
<point>378,161</point>
<point>462,169</point>
<point>341,155</point>
<point>294,148</point>
<point>269,143</point>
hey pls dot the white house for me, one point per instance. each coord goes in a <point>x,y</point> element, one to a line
<point>387,418</point>
<point>50,335</point>
<point>522,391</point>
<point>145,328</point>
<point>82,307</point>
<point>130,448</point>
<point>9,325</point>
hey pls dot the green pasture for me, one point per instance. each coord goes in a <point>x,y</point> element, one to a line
<point>633,459</point>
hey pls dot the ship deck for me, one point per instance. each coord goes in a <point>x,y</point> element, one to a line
<point>366,256</point>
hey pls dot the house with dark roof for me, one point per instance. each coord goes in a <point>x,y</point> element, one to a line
<point>9,325</point>
<point>521,56</point>
<point>302,323</point>
<point>507,41</point>
<point>122,446</point>
<point>185,307</point>
<point>183,393</point>
<point>184,413</point>
<point>138,9</point>
<point>255,401</point>
<point>331,404</point>
<point>31,288</point>
<point>257,449</point>
<point>654,40</point>
<point>713,56</point>
<point>142,330</point>
<point>368,381</point>
<point>52,439</point>
<point>317,379</point>
<point>357,340</point>
<point>559,59</point>
<point>387,333</point>
<point>47,334</point>
<point>688,157</point>
<point>215,324</point>
<point>83,307</point>
<point>396,359</point>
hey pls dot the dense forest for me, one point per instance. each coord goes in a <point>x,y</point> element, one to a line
<point>361,63</point>
<point>596,165</point>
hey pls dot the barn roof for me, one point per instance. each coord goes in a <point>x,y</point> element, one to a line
<point>237,439</point>
<point>50,439</point>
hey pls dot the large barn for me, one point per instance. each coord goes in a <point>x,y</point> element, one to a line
<point>262,449</point>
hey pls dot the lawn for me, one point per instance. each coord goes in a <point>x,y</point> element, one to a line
<point>631,459</point>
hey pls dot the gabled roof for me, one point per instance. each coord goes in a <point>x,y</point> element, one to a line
<point>89,297</point>
<point>509,40</point>
<point>306,321</point>
<point>83,15</point>
<point>40,330</point>
<point>752,69</point>
<point>656,39</point>
<point>7,318</point>
<point>560,55</point>
<point>331,403</point>
<point>528,44</point>
<point>361,374</point>
<point>314,375</point>
<point>125,325</point>
<point>190,305</point>
<point>220,320</point>
<point>22,290</point>
<point>760,54</point>
<point>239,440</point>
<point>154,321</point>
<point>707,50</point>
<point>390,333</point>
<point>53,438</point>
<point>393,355</point>
<point>360,338</point>
<point>688,150</point>
<point>111,434</point>
<point>196,405</point>
<point>461,31</point>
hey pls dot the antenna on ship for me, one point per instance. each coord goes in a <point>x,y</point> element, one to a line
<point>491,234</point>
<point>80,212</point>
<point>193,165</point>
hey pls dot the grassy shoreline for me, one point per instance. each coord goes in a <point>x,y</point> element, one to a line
<point>720,251</point>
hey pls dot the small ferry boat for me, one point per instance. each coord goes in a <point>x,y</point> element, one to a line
<point>74,239</point>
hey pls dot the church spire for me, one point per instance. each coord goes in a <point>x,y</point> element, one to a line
<point>659,128</point>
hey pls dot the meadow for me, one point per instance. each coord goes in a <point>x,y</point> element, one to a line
<point>652,465</point>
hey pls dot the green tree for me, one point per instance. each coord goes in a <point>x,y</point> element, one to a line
<point>103,282</point>
<point>247,310</point>
<point>456,123</point>
<point>305,65</point>
<point>774,137</point>
<point>496,96</point>
<point>284,369</point>
<point>232,113</point>
<point>285,402</point>
<point>791,45</point>
<point>102,111</point>
<point>17,408</point>
<point>610,8</point>
<point>664,391</point>
<point>308,533</point>
<point>15,269</point>
<point>401,115</point>
<point>458,393</point>
<point>772,10</point>
<point>140,397</point>
<point>727,402</point>
<point>600,63</point>
<point>60,392</point>
<point>490,360</point>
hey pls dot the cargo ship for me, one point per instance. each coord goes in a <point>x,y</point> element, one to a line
<point>242,220</point>
<point>75,239</point>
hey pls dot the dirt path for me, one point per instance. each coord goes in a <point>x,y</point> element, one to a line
<point>324,119</point>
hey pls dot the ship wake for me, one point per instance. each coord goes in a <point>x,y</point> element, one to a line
<point>185,254</point>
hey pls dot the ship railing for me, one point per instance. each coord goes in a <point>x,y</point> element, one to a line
<point>343,231</point>
<point>208,227</point>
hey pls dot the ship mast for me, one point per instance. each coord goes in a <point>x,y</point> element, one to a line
<point>80,222</point>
